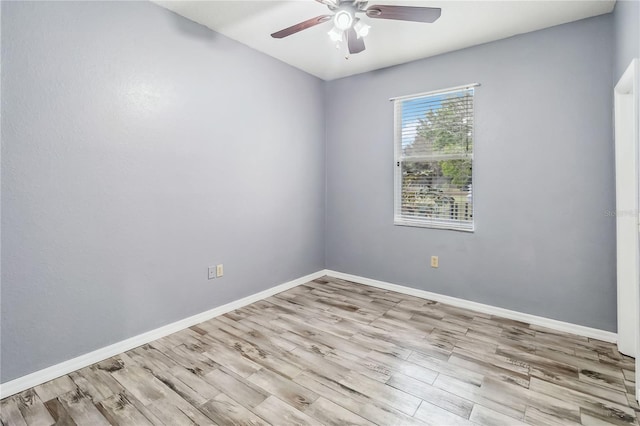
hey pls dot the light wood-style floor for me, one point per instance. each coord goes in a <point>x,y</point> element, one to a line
<point>339,353</point>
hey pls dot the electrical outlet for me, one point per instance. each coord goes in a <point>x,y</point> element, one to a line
<point>434,261</point>
<point>212,272</point>
<point>220,270</point>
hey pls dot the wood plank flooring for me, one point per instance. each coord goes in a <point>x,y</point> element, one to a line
<point>334,352</point>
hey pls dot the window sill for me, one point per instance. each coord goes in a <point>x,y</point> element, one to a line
<point>434,225</point>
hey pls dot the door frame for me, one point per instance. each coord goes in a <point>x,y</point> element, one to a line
<point>627,145</point>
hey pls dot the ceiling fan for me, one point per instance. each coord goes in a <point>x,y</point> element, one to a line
<point>346,22</point>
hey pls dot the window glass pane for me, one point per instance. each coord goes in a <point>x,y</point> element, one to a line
<point>442,125</point>
<point>438,190</point>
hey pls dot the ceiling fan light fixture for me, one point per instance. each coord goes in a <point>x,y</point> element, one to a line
<point>362,29</point>
<point>343,19</point>
<point>335,34</point>
<point>347,25</point>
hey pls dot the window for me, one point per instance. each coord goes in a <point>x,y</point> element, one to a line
<point>434,159</point>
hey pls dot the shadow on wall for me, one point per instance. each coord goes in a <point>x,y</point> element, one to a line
<point>186,27</point>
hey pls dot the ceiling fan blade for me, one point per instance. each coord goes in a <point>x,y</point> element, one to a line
<point>301,26</point>
<point>356,45</point>
<point>404,13</point>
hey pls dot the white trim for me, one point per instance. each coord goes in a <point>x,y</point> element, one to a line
<point>435,224</point>
<point>566,327</point>
<point>30,380</point>
<point>627,134</point>
<point>434,92</point>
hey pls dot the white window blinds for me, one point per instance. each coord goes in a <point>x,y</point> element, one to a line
<point>434,159</point>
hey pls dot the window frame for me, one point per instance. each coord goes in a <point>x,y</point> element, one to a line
<point>398,219</point>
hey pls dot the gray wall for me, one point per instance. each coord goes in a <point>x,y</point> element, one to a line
<point>626,21</point>
<point>138,148</point>
<point>544,177</point>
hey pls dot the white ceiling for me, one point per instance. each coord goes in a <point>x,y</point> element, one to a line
<point>462,24</point>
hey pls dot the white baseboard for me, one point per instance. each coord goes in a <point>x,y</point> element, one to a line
<point>566,327</point>
<point>42,376</point>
